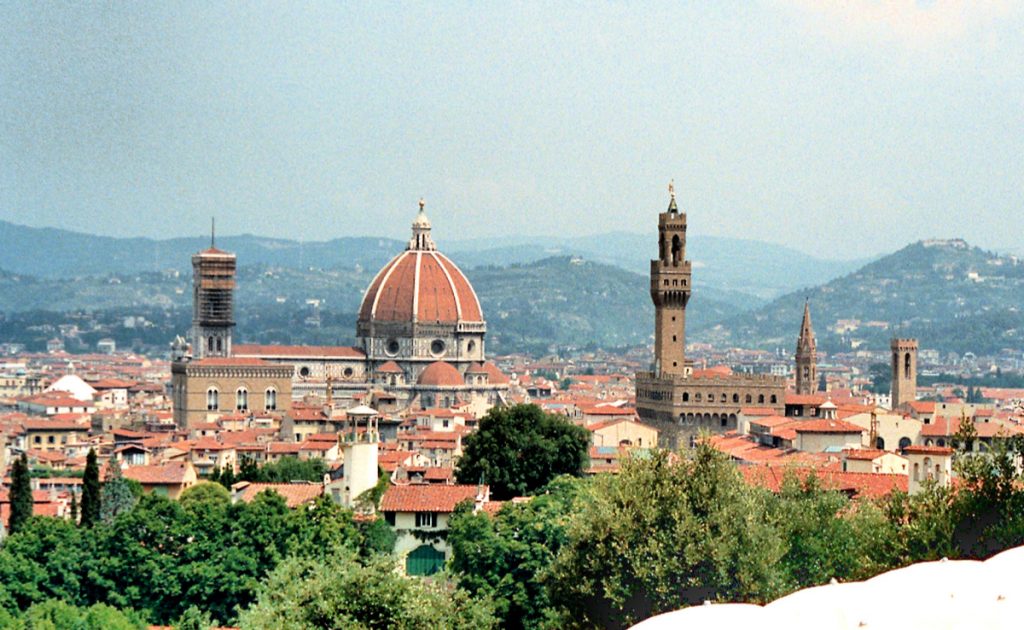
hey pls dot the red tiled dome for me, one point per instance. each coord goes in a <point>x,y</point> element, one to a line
<point>420,286</point>
<point>442,374</point>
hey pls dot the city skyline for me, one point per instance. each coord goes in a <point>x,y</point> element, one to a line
<point>783,122</point>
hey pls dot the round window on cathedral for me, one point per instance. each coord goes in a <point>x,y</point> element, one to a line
<point>347,372</point>
<point>437,347</point>
<point>303,371</point>
<point>392,347</point>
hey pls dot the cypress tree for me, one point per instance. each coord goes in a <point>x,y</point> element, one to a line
<point>91,491</point>
<point>117,494</point>
<point>74,507</point>
<point>21,494</point>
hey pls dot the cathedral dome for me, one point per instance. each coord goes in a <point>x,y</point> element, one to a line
<point>441,374</point>
<point>420,285</point>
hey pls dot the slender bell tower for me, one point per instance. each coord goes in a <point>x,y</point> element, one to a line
<point>806,356</point>
<point>904,371</point>
<point>670,290</point>
<point>213,301</point>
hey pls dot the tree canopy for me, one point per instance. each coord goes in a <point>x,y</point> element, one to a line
<point>519,449</point>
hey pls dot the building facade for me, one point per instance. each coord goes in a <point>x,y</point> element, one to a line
<point>672,396</point>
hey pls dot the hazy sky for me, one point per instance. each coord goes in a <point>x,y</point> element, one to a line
<point>850,128</point>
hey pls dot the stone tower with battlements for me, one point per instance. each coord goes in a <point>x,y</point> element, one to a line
<point>904,371</point>
<point>670,291</point>
<point>806,356</point>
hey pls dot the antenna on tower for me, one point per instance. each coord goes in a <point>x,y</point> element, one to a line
<point>213,232</point>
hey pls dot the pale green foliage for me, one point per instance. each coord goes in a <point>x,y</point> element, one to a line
<point>662,535</point>
<point>57,615</point>
<point>340,592</point>
<point>118,494</point>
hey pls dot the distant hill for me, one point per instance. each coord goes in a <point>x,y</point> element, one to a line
<point>557,302</point>
<point>948,294</point>
<point>572,302</point>
<point>53,253</point>
<point>743,268</point>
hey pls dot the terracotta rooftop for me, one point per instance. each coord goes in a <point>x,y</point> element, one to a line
<point>390,367</point>
<point>172,473</point>
<point>427,497</point>
<point>826,426</point>
<point>256,350</point>
<point>441,374</point>
<point>229,362</point>
<point>928,450</point>
<point>295,494</point>
<point>871,485</point>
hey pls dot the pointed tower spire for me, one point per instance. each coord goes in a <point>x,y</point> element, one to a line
<point>672,207</point>
<point>806,355</point>
<point>806,331</point>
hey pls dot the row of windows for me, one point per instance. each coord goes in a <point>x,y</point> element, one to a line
<point>749,399</point>
<point>241,399</point>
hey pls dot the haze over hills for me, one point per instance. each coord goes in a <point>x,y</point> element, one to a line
<point>742,267</point>
<point>948,294</point>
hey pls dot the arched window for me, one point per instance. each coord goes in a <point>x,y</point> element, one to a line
<point>677,249</point>
<point>760,398</point>
<point>880,444</point>
<point>697,397</point>
<point>212,399</point>
<point>242,399</point>
<point>904,442</point>
<point>724,397</point>
<point>917,472</point>
<point>775,399</point>
<point>220,344</point>
<point>270,399</point>
<point>750,399</point>
<point>735,398</point>
<point>906,366</point>
<point>209,344</point>
<point>686,396</point>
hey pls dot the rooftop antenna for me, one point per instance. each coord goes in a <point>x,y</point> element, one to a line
<point>213,232</point>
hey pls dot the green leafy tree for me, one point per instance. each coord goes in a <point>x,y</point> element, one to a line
<point>341,592</point>
<point>91,495</point>
<point>119,494</point>
<point>57,615</point>
<point>519,449</point>
<point>376,537</point>
<point>664,534</point>
<point>505,557</point>
<point>193,619</point>
<point>21,494</point>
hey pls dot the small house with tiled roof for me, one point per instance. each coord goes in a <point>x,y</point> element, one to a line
<point>168,479</point>
<point>419,514</point>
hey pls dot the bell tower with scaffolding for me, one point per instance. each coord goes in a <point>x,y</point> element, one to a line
<point>213,301</point>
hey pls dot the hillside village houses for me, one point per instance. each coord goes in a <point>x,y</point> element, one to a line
<point>406,398</point>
